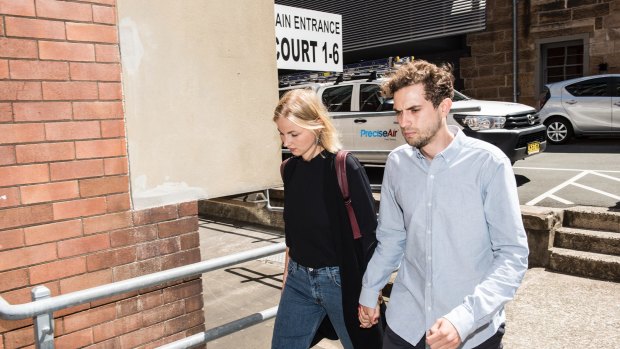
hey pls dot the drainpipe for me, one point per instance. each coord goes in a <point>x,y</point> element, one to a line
<point>515,52</point>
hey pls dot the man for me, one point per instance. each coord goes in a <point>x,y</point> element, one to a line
<point>449,220</point>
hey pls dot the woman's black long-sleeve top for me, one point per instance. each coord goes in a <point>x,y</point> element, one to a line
<point>318,231</point>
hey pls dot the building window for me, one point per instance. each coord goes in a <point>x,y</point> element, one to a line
<point>562,61</point>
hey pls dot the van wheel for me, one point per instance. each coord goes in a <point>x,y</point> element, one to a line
<point>559,130</point>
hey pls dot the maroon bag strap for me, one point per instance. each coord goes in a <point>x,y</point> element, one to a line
<point>343,183</point>
<point>282,166</point>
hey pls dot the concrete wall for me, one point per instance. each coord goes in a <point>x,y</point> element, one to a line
<point>488,72</point>
<point>200,85</point>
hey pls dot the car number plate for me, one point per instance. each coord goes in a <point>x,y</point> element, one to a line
<point>533,148</point>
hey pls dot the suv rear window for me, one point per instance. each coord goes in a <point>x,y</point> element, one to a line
<point>338,98</point>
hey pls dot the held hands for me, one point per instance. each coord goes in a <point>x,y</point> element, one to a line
<point>368,316</point>
<point>443,335</point>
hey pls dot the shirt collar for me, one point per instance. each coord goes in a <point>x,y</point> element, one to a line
<point>452,150</point>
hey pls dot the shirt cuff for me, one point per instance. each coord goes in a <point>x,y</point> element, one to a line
<point>369,298</point>
<point>462,319</point>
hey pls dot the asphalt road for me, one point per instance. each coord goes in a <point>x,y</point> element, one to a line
<point>584,172</point>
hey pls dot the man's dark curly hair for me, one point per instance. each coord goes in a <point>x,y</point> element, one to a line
<point>437,80</point>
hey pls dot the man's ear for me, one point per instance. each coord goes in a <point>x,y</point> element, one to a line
<point>445,106</point>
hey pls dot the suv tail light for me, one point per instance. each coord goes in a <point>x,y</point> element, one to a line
<point>544,97</point>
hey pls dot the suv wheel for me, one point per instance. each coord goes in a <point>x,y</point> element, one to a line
<point>559,130</point>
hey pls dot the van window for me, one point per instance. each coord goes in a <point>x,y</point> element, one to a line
<point>338,98</point>
<point>370,97</point>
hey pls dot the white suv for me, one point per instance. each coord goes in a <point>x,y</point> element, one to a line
<point>369,129</point>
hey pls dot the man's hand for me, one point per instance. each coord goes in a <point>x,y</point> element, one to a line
<point>368,316</point>
<point>443,335</point>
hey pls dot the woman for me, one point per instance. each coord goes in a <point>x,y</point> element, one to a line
<point>324,264</point>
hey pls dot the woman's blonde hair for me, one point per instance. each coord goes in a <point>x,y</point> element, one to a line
<point>304,108</point>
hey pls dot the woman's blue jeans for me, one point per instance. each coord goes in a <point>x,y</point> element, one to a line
<point>309,294</point>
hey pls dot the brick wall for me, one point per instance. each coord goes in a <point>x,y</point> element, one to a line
<point>65,217</point>
<point>488,72</point>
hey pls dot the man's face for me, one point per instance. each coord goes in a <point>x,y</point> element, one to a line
<point>416,116</point>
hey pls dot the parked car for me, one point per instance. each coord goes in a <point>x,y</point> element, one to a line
<point>369,129</point>
<point>579,107</point>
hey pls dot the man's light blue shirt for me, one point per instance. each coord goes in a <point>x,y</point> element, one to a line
<point>453,227</point>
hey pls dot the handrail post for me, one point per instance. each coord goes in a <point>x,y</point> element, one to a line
<point>44,323</point>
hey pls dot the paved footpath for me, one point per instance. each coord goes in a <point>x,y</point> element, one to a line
<point>550,310</point>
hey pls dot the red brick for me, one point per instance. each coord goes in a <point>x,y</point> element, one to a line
<point>25,174</point>
<point>20,338</point>
<point>128,271</point>
<point>34,194</point>
<point>107,53</point>
<point>20,90</point>
<point>115,166</point>
<point>89,318</point>
<point>34,28</point>
<point>53,232</point>
<point>21,133</point>
<point>107,222</point>
<point>102,2</point>
<point>112,343</point>
<point>111,258</point>
<point>64,10</point>
<point>18,48</point>
<point>150,300</point>
<point>7,155</point>
<point>180,259</point>
<point>76,169</point>
<point>85,281</point>
<point>74,340</point>
<point>64,51</point>
<point>69,90</point>
<point>4,69</point>
<point>127,307</point>
<point>11,239</point>
<point>45,152</point>
<point>9,197</point>
<point>1,34</point>
<point>102,148</point>
<point>154,215</point>
<point>145,335</point>
<point>95,71</point>
<point>17,7</point>
<point>118,202</point>
<point>189,241</point>
<point>104,185</point>
<point>104,14</point>
<point>166,340</point>
<point>63,131</point>
<point>189,208</point>
<point>193,303</point>
<point>81,245</point>
<point>184,290</point>
<point>42,111</point>
<point>97,110</point>
<point>57,270</point>
<point>6,112</point>
<point>184,322</point>
<point>112,128</point>
<point>160,314</point>
<point>117,327</point>
<point>13,279</point>
<point>22,257</point>
<point>21,216</point>
<point>158,248</point>
<point>181,226</point>
<point>110,90</point>
<point>39,70</point>
<point>79,208</point>
<point>91,33</point>
<point>133,236</point>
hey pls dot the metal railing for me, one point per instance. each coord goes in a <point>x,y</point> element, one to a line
<point>43,305</point>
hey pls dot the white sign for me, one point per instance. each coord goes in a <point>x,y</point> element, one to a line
<point>308,40</point>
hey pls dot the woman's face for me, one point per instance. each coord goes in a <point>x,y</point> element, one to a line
<point>298,140</point>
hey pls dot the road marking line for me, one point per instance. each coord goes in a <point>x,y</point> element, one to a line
<point>562,169</point>
<point>596,191</point>
<point>558,187</point>
<point>557,198</point>
<point>606,176</point>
